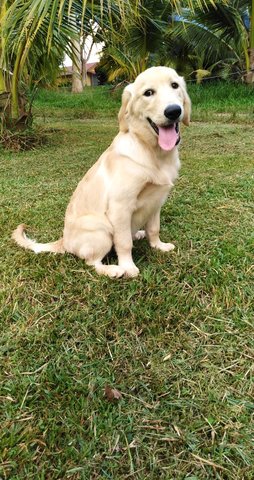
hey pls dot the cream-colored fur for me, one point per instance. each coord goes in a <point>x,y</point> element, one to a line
<point>126,188</point>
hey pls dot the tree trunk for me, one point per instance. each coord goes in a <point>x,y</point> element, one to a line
<point>84,74</point>
<point>77,86</point>
<point>85,55</point>
<point>83,61</point>
<point>15,112</point>
<point>250,74</point>
<point>2,79</point>
<point>2,82</point>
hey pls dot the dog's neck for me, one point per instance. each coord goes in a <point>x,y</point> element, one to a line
<point>148,138</point>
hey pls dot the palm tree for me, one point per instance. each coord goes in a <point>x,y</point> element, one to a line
<point>133,49</point>
<point>23,54</point>
<point>34,28</point>
<point>220,36</point>
<point>53,24</point>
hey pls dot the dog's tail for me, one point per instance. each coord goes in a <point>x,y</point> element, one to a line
<point>22,240</point>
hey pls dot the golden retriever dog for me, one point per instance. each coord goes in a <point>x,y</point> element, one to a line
<point>125,189</point>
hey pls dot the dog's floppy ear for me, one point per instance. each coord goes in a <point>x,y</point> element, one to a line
<point>186,106</point>
<point>124,110</point>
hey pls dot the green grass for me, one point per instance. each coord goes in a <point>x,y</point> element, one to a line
<point>67,333</point>
<point>94,103</point>
<point>223,96</point>
<point>217,99</point>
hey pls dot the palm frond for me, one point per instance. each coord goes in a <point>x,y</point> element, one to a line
<point>213,31</point>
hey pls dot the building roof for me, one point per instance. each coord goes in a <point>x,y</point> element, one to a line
<point>90,68</point>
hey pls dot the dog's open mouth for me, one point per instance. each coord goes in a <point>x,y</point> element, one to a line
<point>168,137</point>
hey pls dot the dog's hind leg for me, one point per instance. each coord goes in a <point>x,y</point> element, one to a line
<point>91,239</point>
<point>112,271</point>
<point>94,255</point>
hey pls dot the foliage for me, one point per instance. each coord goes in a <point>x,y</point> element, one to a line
<point>36,35</point>
<point>215,38</point>
<point>133,49</point>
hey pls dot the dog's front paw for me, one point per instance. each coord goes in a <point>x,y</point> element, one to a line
<point>139,235</point>
<point>131,271</point>
<point>164,247</point>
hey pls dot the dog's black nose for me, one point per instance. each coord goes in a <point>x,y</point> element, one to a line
<point>173,112</point>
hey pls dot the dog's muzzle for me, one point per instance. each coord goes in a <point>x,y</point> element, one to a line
<point>168,135</point>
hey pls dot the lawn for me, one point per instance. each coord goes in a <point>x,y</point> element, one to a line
<point>177,341</point>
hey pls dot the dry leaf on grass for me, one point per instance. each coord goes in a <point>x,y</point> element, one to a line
<point>167,357</point>
<point>112,394</point>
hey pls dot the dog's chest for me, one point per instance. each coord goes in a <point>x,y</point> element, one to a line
<point>154,194</point>
<point>149,201</point>
<point>152,197</point>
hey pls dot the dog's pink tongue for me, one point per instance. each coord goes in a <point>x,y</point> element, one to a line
<point>167,137</point>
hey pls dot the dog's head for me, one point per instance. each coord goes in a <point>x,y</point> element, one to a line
<point>154,105</point>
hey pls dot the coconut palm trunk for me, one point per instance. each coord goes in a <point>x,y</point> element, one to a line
<point>12,103</point>
<point>2,14</point>
<point>77,85</point>
<point>3,88</point>
<point>2,80</point>
<point>250,74</point>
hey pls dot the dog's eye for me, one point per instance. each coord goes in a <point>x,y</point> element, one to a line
<point>174,85</point>
<point>149,93</point>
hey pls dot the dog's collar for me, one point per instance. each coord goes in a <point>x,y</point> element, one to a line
<point>179,136</point>
<point>178,140</point>
<point>156,129</point>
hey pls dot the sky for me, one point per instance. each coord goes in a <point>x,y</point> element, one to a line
<point>94,57</point>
